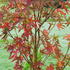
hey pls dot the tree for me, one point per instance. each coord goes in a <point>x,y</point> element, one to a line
<point>28,17</point>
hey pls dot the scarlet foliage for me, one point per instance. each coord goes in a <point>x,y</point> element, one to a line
<point>45,32</point>
<point>50,67</point>
<point>51,49</point>
<point>6,25</point>
<point>59,10</point>
<point>59,26</point>
<point>67,37</point>
<point>26,19</point>
<point>38,65</point>
<point>60,64</point>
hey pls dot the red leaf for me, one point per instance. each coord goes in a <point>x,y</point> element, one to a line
<point>36,65</point>
<point>61,12</point>
<point>68,23</point>
<point>60,63</point>
<point>12,56</point>
<point>16,19</point>
<point>31,20</point>
<point>59,26</point>
<point>27,31</point>
<point>11,5</point>
<point>6,25</point>
<point>67,37</point>
<point>45,32</point>
<point>51,67</point>
<point>1,15</point>
<point>15,51</point>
